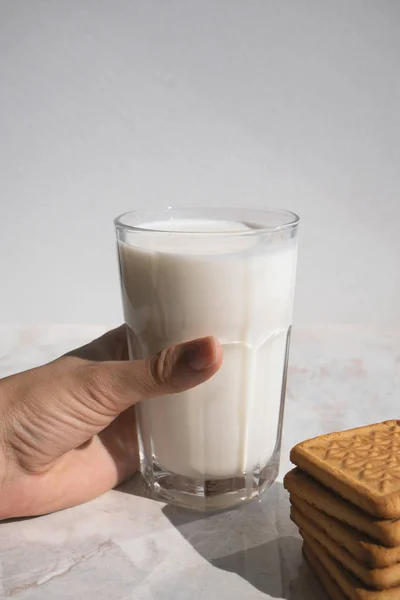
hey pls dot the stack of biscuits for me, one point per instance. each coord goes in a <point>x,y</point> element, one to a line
<point>345,499</point>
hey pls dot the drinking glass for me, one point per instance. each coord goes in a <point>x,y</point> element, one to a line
<point>228,272</point>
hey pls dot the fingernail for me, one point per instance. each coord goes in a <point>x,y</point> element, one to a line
<point>199,355</point>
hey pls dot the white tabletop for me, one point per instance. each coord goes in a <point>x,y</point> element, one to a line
<point>125,546</point>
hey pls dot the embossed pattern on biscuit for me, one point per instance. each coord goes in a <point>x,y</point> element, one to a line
<point>362,465</point>
<point>373,457</point>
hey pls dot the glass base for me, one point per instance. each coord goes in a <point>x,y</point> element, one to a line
<point>213,494</point>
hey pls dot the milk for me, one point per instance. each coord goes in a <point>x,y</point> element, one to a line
<point>239,288</point>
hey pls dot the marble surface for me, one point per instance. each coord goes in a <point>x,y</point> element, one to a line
<point>126,546</point>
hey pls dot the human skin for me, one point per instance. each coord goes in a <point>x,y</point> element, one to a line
<point>67,429</point>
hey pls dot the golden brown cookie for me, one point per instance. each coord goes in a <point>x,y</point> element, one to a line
<point>330,586</point>
<point>362,465</point>
<point>364,550</point>
<point>380,579</point>
<point>385,532</point>
<point>350,585</point>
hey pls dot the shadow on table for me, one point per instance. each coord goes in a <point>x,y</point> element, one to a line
<point>17,519</point>
<point>258,542</point>
<point>135,486</point>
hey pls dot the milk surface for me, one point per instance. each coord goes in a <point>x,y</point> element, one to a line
<point>238,288</point>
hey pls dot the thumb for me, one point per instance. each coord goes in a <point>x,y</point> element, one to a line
<point>176,369</point>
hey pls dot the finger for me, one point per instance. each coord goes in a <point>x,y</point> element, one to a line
<point>115,386</point>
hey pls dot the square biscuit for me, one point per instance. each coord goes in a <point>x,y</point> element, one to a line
<point>362,465</point>
<point>380,579</point>
<point>351,587</point>
<point>382,531</point>
<point>360,546</point>
<point>330,586</point>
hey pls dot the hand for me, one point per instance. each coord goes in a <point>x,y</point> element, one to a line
<point>67,429</point>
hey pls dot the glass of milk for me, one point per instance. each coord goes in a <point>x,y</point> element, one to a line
<point>227,272</point>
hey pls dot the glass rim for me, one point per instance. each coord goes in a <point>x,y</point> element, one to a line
<point>292,222</point>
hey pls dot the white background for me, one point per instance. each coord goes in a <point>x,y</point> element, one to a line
<point>112,105</point>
